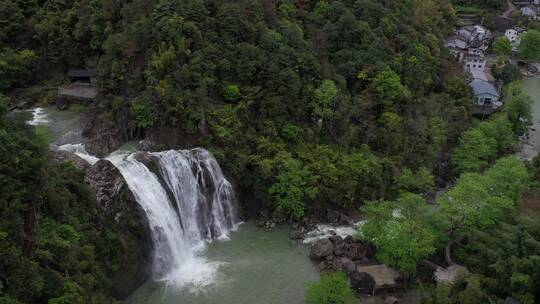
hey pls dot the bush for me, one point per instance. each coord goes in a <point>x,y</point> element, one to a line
<point>231,92</point>
<point>332,288</point>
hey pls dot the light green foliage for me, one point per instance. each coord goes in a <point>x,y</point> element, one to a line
<point>474,152</point>
<point>529,47</point>
<point>400,231</point>
<point>323,99</point>
<point>419,181</point>
<point>388,87</point>
<point>519,111</point>
<point>503,47</point>
<point>478,201</point>
<point>232,92</point>
<point>293,188</point>
<point>332,288</point>
<point>481,145</point>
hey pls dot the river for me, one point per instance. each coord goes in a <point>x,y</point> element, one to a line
<point>251,265</point>
<point>530,146</point>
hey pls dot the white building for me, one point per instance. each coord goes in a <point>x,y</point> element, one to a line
<point>530,11</point>
<point>513,33</point>
<point>474,63</point>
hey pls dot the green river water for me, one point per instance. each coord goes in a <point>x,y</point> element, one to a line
<point>530,147</point>
<point>257,266</point>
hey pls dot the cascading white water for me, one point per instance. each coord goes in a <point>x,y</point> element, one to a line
<point>200,208</point>
<point>80,151</point>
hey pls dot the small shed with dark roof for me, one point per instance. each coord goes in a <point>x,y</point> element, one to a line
<point>81,75</point>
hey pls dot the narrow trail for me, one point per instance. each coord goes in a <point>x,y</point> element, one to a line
<point>511,9</point>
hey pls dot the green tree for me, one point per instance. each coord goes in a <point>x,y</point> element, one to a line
<point>478,201</point>
<point>323,99</point>
<point>143,113</point>
<point>388,87</point>
<point>294,187</point>
<point>332,288</point>
<point>502,47</point>
<point>529,47</point>
<point>232,92</point>
<point>400,231</point>
<point>474,152</point>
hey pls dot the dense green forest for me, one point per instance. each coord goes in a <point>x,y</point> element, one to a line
<point>331,100</point>
<point>308,105</point>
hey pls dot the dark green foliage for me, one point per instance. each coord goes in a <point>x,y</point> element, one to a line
<point>255,79</point>
<point>508,73</point>
<point>505,263</point>
<point>486,4</point>
<point>332,288</point>
<point>48,241</point>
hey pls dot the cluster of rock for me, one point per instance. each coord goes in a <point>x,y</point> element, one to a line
<point>346,254</point>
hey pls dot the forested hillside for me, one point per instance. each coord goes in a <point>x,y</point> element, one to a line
<point>348,94</point>
<point>308,105</point>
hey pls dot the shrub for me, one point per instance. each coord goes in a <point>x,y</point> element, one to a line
<point>332,288</point>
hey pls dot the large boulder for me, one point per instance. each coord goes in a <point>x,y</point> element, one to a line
<point>321,248</point>
<point>346,265</point>
<point>102,133</point>
<point>362,282</point>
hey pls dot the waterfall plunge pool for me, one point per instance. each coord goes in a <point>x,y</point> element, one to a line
<point>256,266</point>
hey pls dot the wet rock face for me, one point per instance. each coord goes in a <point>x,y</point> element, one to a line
<point>119,213</point>
<point>102,134</point>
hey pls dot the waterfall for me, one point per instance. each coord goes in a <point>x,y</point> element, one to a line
<point>80,151</point>
<point>187,202</point>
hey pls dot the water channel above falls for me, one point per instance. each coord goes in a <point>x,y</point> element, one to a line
<point>530,147</point>
<point>252,265</point>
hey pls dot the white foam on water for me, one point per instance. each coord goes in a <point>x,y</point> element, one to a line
<point>80,151</point>
<point>39,117</point>
<point>323,231</point>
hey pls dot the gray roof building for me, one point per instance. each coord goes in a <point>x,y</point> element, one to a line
<point>483,87</point>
